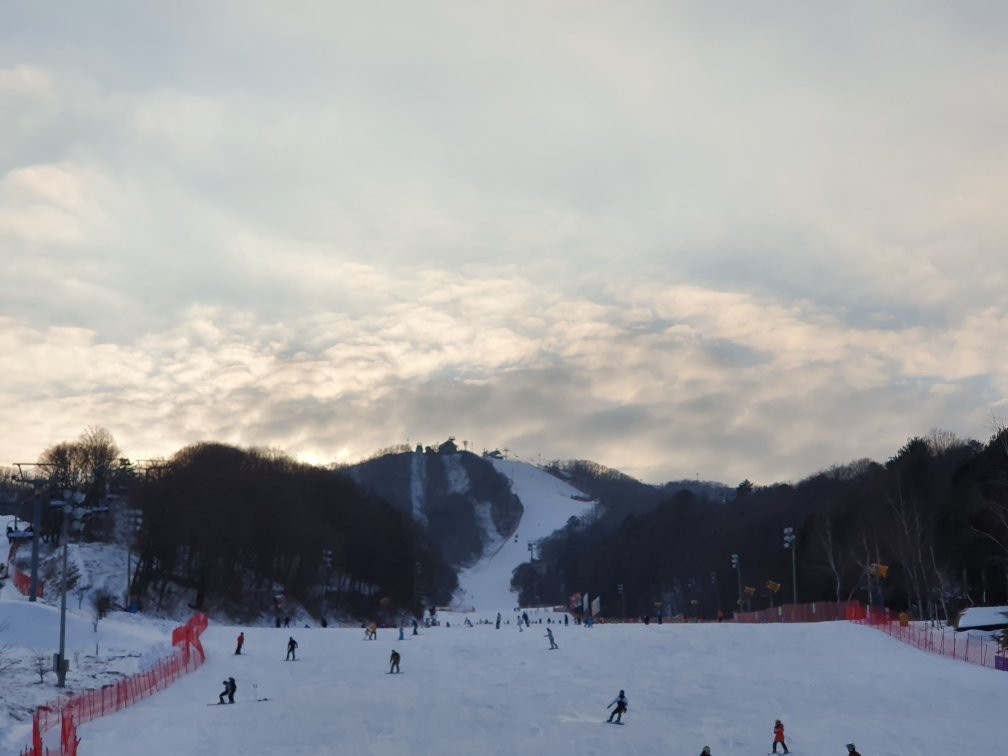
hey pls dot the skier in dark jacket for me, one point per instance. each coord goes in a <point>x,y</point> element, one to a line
<point>621,706</point>
<point>291,648</point>
<point>851,751</point>
<point>393,662</point>
<point>229,690</point>
<point>705,751</point>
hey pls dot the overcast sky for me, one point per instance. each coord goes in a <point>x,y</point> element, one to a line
<point>733,240</point>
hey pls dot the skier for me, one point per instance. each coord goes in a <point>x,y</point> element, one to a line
<point>778,737</point>
<point>371,633</point>
<point>291,647</point>
<point>241,642</point>
<point>549,634</point>
<point>526,618</point>
<point>415,628</point>
<point>229,690</point>
<point>565,620</point>
<point>621,706</point>
<point>394,662</point>
<point>851,751</point>
<point>498,620</point>
<point>705,751</point>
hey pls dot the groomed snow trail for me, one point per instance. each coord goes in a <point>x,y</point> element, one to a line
<point>548,505</point>
<point>483,691</point>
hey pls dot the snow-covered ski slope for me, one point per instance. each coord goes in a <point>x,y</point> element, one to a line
<point>548,505</point>
<point>483,691</point>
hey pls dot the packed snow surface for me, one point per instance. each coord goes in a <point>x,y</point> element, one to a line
<point>548,505</point>
<point>478,690</point>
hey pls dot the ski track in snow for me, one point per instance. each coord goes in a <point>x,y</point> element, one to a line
<point>485,691</point>
<point>548,505</point>
<point>480,690</point>
<point>418,487</point>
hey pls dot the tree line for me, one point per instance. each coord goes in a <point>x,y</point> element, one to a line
<point>926,532</point>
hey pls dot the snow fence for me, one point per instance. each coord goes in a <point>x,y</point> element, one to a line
<point>83,707</point>
<point>820,611</point>
<point>22,581</point>
<point>973,647</point>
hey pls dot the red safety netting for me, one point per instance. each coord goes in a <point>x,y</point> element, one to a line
<point>820,611</point>
<point>22,581</point>
<point>974,647</point>
<point>83,707</point>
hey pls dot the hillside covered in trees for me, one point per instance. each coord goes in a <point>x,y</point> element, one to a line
<point>242,525</point>
<point>925,531</point>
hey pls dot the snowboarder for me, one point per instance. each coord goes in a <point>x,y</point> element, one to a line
<point>705,751</point>
<point>241,642</point>
<point>229,690</point>
<point>371,633</point>
<point>778,737</point>
<point>549,634</point>
<point>851,751</point>
<point>291,647</point>
<point>394,662</point>
<point>621,704</point>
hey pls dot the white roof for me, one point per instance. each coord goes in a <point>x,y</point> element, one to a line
<point>982,616</point>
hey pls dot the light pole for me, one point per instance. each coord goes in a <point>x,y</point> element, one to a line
<point>619,590</point>
<point>36,527</point>
<point>416,578</point>
<point>134,519</point>
<point>789,543</point>
<point>736,562</point>
<point>62,664</point>
<point>327,562</point>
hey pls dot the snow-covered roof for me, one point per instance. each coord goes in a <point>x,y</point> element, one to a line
<point>982,618</point>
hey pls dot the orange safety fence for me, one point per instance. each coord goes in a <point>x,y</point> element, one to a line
<point>819,611</point>
<point>973,647</point>
<point>84,707</point>
<point>22,581</point>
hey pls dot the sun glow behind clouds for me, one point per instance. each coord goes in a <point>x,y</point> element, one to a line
<point>676,239</point>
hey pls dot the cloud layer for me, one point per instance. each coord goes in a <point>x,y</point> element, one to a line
<point>676,240</point>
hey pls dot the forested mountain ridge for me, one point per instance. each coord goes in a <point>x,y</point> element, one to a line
<point>459,498</point>
<point>925,531</point>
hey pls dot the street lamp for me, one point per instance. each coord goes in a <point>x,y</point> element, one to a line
<point>416,578</point>
<point>134,519</point>
<point>789,543</point>
<point>327,562</point>
<point>736,562</point>
<point>62,663</point>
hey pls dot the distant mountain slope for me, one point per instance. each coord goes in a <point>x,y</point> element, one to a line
<point>464,502</point>
<point>548,504</point>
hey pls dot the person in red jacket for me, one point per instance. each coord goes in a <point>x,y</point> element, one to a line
<point>241,642</point>
<point>778,737</point>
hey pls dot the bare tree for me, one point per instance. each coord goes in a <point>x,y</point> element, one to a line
<point>41,664</point>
